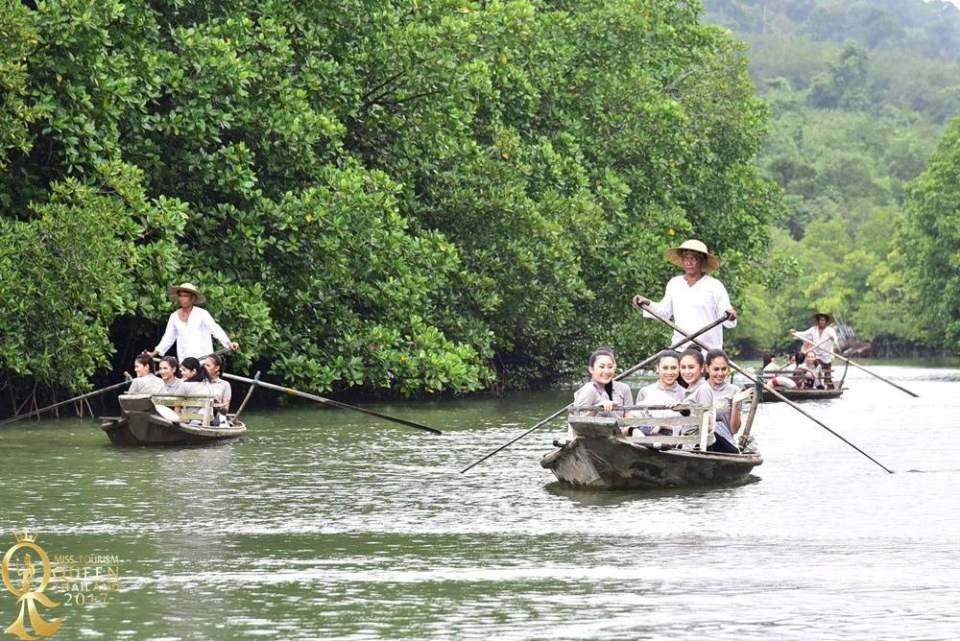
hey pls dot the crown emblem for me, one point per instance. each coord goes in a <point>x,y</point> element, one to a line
<point>24,537</point>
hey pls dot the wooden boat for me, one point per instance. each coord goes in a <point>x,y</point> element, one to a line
<point>804,393</point>
<point>600,456</point>
<point>168,420</point>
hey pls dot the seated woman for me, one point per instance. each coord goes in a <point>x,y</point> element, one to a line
<point>789,363</point>
<point>728,410</point>
<point>146,382</point>
<point>665,391</point>
<point>772,373</point>
<point>221,389</point>
<point>809,372</point>
<point>191,371</point>
<point>700,393</point>
<point>601,389</point>
<point>194,383</point>
<point>168,369</point>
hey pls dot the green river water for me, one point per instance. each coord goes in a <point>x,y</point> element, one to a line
<point>323,524</point>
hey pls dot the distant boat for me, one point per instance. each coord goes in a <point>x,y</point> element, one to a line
<point>600,456</point>
<point>153,420</point>
<point>803,393</point>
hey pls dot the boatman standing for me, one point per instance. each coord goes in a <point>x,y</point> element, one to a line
<point>192,327</point>
<point>693,299</point>
<point>823,341</point>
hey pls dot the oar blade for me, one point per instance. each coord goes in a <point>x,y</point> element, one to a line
<point>40,411</point>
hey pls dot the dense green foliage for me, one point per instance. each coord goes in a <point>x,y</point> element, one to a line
<point>931,239</point>
<point>859,94</point>
<point>404,196</point>
<point>63,279</point>
<point>928,28</point>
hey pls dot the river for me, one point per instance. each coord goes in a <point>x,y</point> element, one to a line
<point>323,524</point>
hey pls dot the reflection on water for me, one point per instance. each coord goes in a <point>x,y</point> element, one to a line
<point>322,524</point>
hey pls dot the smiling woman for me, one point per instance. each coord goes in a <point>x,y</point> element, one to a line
<point>602,389</point>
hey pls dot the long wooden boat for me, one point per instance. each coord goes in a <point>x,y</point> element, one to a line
<point>151,420</point>
<point>600,456</point>
<point>806,393</point>
<point>802,394</point>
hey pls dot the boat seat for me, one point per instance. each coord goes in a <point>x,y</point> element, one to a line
<point>701,422</point>
<point>187,407</point>
<point>663,439</point>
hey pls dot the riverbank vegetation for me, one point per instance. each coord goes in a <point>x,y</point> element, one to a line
<point>410,197</point>
<point>452,196</point>
<point>860,93</point>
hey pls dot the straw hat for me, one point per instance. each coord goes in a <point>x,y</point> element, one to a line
<point>675,254</point>
<point>824,314</point>
<point>186,287</point>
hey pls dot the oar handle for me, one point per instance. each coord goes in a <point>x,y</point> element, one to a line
<point>219,352</point>
<point>816,345</point>
<point>702,330</point>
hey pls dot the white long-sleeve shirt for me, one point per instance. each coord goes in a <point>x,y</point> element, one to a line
<point>693,306</point>
<point>194,337</point>
<point>829,338</point>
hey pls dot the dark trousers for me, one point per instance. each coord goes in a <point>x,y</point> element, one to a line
<point>826,374</point>
<point>723,445</point>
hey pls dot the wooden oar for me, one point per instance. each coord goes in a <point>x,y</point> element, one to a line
<point>565,408</point>
<point>330,402</point>
<point>253,386</point>
<point>775,392</point>
<point>745,437</point>
<point>103,390</point>
<point>874,374</point>
<point>219,352</point>
<point>813,346</point>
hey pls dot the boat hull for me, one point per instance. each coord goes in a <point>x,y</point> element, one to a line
<point>140,425</point>
<point>597,460</point>
<point>802,394</point>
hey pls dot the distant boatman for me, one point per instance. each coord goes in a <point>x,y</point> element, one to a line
<point>695,298</point>
<point>191,327</point>
<point>823,341</point>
